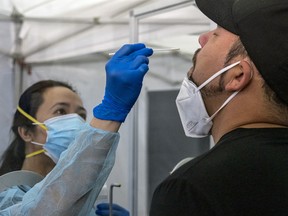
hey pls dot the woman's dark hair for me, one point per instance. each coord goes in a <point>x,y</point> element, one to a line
<point>29,101</point>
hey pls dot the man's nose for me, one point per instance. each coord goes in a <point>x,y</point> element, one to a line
<point>203,38</point>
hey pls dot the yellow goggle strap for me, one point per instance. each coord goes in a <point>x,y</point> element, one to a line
<point>35,153</point>
<point>31,118</point>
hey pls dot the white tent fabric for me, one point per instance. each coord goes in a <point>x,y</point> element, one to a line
<point>69,40</point>
<point>6,85</point>
<point>53,30</point>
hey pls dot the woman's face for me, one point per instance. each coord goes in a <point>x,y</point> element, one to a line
<point>57,101</point>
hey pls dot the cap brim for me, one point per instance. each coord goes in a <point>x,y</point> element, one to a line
<point>219,11</point>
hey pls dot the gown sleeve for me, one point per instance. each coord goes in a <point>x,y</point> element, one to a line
<point>72,187</point>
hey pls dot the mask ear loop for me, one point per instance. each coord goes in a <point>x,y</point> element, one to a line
<point>224,104</point>
<point>213,77</point>
<point>36,152</point>
<point>31,118</point>
<point>231,96</point>
<point>217,74</point>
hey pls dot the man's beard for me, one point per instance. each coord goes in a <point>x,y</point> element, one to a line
<point>208,90</point>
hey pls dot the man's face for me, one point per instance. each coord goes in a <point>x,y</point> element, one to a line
<point>215,46</point>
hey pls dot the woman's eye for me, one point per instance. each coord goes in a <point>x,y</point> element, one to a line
<point>83,116</point>
<point>61,112</point>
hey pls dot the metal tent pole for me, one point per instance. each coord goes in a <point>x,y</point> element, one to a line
<point>135,17</point>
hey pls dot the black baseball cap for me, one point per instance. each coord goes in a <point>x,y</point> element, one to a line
<point>262,26</point>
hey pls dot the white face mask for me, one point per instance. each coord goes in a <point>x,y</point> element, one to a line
<point>193,114</point>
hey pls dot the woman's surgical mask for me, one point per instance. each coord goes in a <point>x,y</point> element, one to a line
<point>61,132</point>
<point>193,114</point>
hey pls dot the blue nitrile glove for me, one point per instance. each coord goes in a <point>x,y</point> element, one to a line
<point>124,75</point>
<point>103,210</point>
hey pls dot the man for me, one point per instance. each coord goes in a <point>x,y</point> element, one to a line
<point>244,106</point>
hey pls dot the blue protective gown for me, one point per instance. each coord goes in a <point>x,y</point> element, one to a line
<point>72,187</point>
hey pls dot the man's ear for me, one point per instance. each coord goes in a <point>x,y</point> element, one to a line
<point>240,76</point>
<point>25,134</point>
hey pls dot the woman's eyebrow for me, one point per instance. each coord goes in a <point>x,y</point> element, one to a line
<point>60,104</point>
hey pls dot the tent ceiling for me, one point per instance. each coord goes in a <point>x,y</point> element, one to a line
<point>49,30</point>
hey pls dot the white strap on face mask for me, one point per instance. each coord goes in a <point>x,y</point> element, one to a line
<point>224,104</point>
<point>37,143</point>
<point>217,74</point>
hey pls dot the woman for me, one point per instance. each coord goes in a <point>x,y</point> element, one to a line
<point>44,116</point>
<point>46,100</point>
<point>43,100</point>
